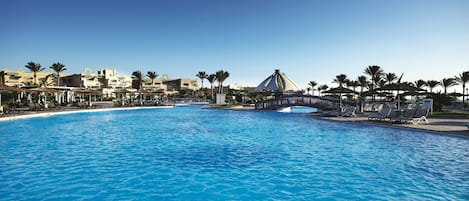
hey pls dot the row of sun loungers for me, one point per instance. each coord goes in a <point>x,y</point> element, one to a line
<point>347,111</point>
<point>415,115</point>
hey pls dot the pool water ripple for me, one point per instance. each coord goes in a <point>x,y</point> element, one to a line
<point>188,153</point>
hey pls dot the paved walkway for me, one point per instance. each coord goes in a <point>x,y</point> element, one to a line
<point>451,126</point>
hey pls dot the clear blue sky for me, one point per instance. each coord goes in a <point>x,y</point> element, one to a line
<point>308,40</point>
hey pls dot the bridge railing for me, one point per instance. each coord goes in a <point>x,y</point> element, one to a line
<point>311,101</point>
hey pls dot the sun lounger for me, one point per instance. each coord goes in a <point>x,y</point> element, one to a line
<point>333,112</point>
<point>414,115</point>
<point>384,113</point>
<point>349,111</point>
<point>404,116</point>
<point>420,115</point>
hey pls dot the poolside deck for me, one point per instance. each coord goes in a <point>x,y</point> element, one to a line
<point>442,125</point>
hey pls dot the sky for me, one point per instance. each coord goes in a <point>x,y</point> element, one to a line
<point>311,40</point>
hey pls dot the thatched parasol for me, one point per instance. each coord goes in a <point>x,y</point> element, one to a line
<point>340,91</point>
<point>407,87</point>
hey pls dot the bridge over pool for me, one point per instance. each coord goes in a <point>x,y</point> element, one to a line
<point>322,103</point>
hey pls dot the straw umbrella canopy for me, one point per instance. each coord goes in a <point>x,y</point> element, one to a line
<point>40,90</point>
<point>405,87</point>
<point>340,91</point>
<point>5,88</point>
<point>123,93</point>
<point>88,92</point>
<point>455,94</point>
<point>376,93</point>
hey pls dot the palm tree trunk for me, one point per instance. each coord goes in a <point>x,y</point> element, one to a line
<point>35,78</point>
<point>211,88</point>
<point>463,94</point>
<point>58,79</point>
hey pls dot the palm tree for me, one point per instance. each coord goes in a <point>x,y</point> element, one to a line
<point>211,78</point>
<point>34,67</point>
<point>139,77</point>
<point>45,81</point>
<point>58,68</point>
<point>390,77</point>
<point>448,82</point>
<point>221,77</point>
<point>382,83</point>
<point>354,84</point>
<point>322,87</point>
<point>340,79</point>
<point>152,75</point>
<point>420,83</point>
<point>202,75</point>
<point>312,84</point>
<point>374,72</point>
<point>462,79</point>
<point>362,82</point>
<point>432,84</point>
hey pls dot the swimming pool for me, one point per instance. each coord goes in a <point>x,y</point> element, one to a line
<point>188,153</point>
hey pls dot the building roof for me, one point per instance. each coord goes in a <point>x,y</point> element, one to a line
<point>277,82</point>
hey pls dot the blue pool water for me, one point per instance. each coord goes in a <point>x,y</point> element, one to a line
<point>188,153</point>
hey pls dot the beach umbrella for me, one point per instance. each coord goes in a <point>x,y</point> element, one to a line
<point>88,92</point>
<point>5,88</point>
<point>376,93</point>
<point>455,94</point>
<point>399,87</point>
<point>340,91</point>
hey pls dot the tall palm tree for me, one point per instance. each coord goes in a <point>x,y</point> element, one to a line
<point>139,77</point>
<point>152,75</point>
<point>211,78</point>
<point>58,68</point>
<point>374,72</point>
<point>448,82</point>
<point>462,79</point>
<point>340,79</point>
<point>202,75</point>
<point>363,82</point>
<point>312,84</point>
<point>221,77</point>
<point>420,83</point>
<point>322,87</point>
<point>381,83</point>
<point>34,67</point>
<point>432,84</point>
<point>45,81</point>
<point>354,84</point>
<point>390,77</point>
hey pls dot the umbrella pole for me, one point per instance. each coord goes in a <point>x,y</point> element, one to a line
<point>398,100</point>
<point>340,101</point>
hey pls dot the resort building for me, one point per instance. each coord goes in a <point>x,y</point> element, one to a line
<point>181,84</point>
<point>110,79</point>
<point>20,78</point>
<point>87,79</point>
